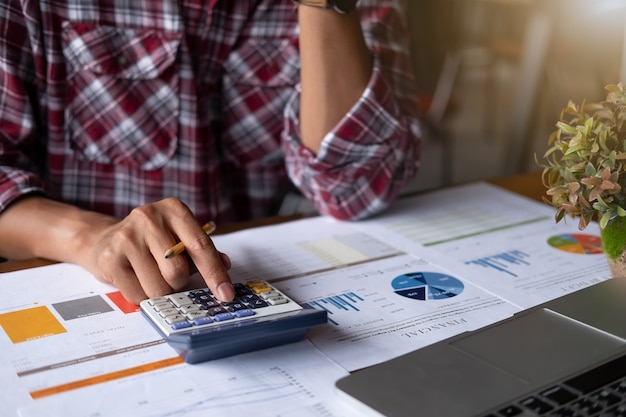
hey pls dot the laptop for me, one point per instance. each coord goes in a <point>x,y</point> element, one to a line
<point>566,357</point>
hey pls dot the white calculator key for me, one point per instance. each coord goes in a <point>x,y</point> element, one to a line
<point>180,299</point>
<point>168,312</point>
<point>276,300</point>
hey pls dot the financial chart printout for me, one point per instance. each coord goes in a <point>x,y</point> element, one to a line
<point>381,301</point>
<point>430,267</point>
<point>300,248</point>
<point>385,309</point>
<point>73,345</point>
<point>506,244</point>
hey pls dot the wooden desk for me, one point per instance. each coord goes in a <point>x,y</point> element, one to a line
<point>528,185</point>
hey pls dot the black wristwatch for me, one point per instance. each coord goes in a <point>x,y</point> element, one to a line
<point>340,6</point>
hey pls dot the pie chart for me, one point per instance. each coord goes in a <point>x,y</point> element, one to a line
<point>577,243</point>
<point>427,286</point>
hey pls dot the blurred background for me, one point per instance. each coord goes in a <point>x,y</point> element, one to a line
<point>494,75</point>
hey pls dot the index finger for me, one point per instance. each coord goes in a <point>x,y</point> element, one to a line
<point>208,261</point>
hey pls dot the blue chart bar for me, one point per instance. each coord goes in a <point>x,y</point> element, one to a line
<point>502,261</point>
<point>342,302</point>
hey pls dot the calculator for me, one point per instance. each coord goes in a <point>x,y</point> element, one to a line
<point>200,327</point>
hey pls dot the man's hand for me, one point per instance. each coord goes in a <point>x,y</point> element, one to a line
<point>128,253</point>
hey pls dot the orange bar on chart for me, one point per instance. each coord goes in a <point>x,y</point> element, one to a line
<point>124,373</point>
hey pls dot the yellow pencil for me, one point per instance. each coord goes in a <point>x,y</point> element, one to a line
<point>179,248</point>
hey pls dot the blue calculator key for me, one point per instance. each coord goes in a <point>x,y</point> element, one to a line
<point>202,320</point>
<point>181,325</point>
<point>244,313</point>
<point>223,317</point>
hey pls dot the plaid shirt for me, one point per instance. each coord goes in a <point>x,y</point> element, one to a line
<point>109,105</point>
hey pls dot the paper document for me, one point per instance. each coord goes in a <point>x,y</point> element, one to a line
<point>429,268</point>
<point>382,302</point>
<point>505,243</point>
<point>73,345</point>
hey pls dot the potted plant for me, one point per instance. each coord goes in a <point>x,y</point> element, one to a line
<point>584,170</point>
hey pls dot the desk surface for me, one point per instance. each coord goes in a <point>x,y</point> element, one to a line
<point>527,184</point>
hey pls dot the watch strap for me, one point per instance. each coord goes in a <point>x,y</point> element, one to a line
<point>340,6</point>
<point>324,4</point>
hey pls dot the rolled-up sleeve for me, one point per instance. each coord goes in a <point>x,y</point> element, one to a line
<point>373,152</point>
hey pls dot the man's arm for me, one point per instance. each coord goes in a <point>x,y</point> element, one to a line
<point>352,162</point>
<point>128,253</point>
<point>336,68</point>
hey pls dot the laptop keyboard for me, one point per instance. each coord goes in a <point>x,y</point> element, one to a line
<point>598,392</point>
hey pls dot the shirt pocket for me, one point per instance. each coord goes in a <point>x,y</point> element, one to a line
<point>122,101</point>
<point>260,75</point>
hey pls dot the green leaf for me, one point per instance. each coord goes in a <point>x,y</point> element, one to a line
<point>564,127</point>
<point>604,220</point>
<point>613,88</point>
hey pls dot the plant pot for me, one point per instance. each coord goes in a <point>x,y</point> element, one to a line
<point>617,266</point>
<point>614,243</point>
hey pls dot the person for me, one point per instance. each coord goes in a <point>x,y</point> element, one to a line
<point>124,126</point>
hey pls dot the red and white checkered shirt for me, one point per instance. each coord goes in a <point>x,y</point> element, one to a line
<point>109,105</point>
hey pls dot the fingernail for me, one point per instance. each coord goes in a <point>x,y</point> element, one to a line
<point>225,291</point>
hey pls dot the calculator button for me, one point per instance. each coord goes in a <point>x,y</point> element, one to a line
<point>258,303</point>
<point>195,314</point>
<point>174,319</point>
<point>206,305</point>
<point>216,310</point>
<point>190,309</point>
<point>168,312</point>
<point>180,299</point>
<point>259,290</point>
<point>181,325</point>
<point>232,307</point>
<point>157,300</point>
<point>269,294</point>
<point>248,298</point>
<point>244,313</point>
<point>199,293</point>
<point>223,317</point>
<point>202,320</point>
<point>162,306</point>
<point>242,290</point>
<point>203,298</point>
<point>277,300</point>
